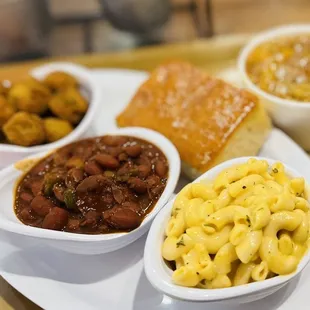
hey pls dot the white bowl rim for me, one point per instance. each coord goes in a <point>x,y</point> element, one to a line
<point>263,37</point>
<point>95,99</point>
<point>143,133</point>
<point>153,260</point>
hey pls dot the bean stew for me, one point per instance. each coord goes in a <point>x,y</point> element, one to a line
<point>99,185</point>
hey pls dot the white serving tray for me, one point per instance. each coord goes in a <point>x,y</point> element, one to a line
<point>116,281</point>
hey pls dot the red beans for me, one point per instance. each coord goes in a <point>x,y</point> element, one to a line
<point>161,168</point>
<point>114,151</point>
<point>137,185</point>
<point>113,140</point>
<point>153,181</point>
<point>37,187</point>
<point>122,157</point>
<point>106,161</point>
<point>125,169</point>
<point>91,168</point>
<point>91,219</point>
<point>74,177</point>
<point>134,206</point>
<point>133,150</point>
<point>108,200</point>
<point>76,174</point>
<point>56,219</point>
<point>62,156</point>
<point>26,197</point>
<point>41,205</point>
<point>144,171</point>
<point>39,168</point>
<point>27,215</point>
<point>91,183</point>
<point>122,218</point>
<point>73,224</point>
<point>118,194</point>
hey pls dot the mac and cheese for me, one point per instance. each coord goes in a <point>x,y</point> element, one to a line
<point>250,224</point>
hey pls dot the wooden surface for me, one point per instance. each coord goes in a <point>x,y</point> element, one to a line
<point>205,53</point>
<point>211,55</point>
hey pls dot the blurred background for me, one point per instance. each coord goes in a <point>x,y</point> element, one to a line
<point>38,28</point>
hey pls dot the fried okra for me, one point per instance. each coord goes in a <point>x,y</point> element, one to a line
<point>24,129</point>
<point>29,96</point>
<point>60,80</point>
<point>5,87</point>
<point>56,128</point>
<point>6,111</point>
<point>69,105</point>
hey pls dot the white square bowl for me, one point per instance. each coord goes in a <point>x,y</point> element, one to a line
<point>160,275</point>
<point>85,243</point>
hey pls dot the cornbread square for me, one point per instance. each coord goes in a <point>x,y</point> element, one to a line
<point>207,119</point>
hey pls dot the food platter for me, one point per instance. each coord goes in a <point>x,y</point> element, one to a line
<point>116,280</point>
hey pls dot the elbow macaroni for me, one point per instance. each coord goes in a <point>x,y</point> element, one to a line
<point>250,224</point>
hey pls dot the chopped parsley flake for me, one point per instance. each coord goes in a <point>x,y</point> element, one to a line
<point>180,243</point>
<point>248,220</point>
<point>176,210</point>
